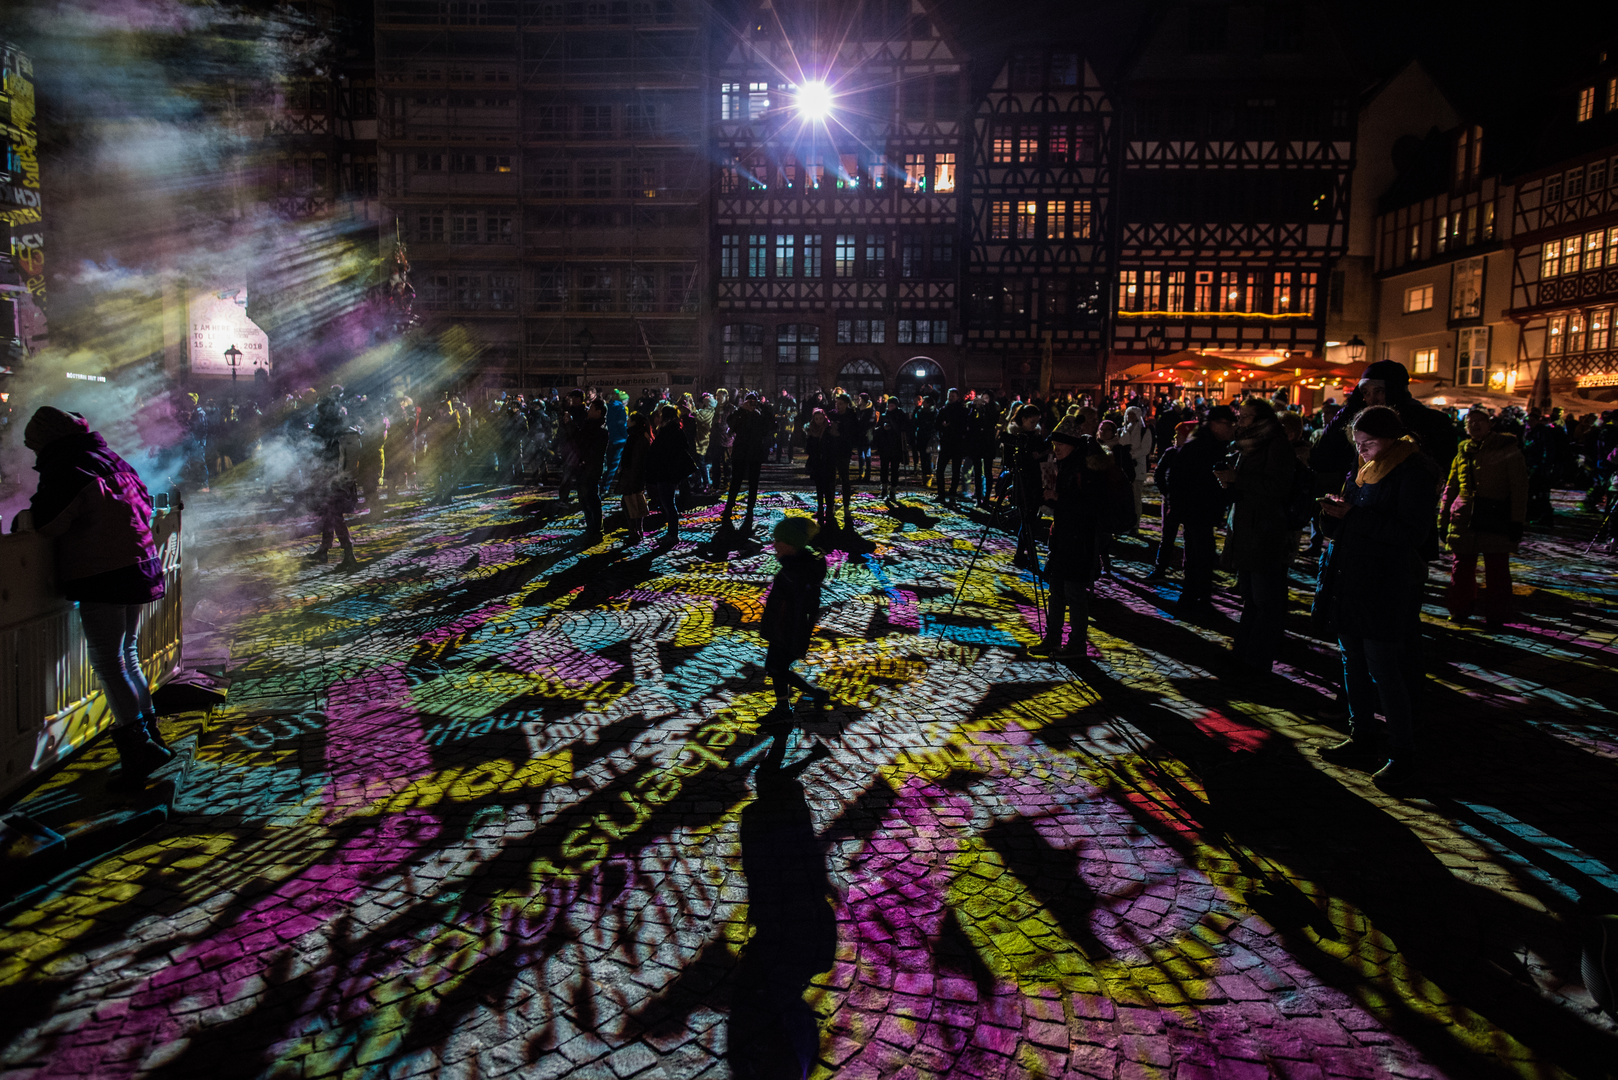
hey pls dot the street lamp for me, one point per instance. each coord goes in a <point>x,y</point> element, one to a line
<point>1154,342</point>
<point>233,357</point>
<point>584,341</point>
<point>1356,350</point>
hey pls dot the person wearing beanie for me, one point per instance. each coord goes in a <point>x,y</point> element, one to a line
<point>1385,382</point>
<point>96,511</point>
<point>789,615</point>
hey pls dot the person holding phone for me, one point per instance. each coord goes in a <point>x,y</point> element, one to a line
<point>1376,570</point>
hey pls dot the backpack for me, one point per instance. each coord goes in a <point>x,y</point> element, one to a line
<point>1300,501</point>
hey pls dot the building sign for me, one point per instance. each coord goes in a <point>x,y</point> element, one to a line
<point>219,323</point>
<point>1597,378</point>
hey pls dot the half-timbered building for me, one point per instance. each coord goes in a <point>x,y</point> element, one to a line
<point>1039,254</point>
<point>1443,267</point>
<point>1565,241</point>
<point>546,162</point>
<point>1237,144</point>
<point>836,224</point>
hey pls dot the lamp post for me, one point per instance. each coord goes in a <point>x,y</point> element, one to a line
<point>233,357</point>
<point>1356,350</point>
<point>1154,342</point>
<point>584,341</point>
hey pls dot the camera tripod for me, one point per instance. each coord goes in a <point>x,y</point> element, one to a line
<point>1024,527</point>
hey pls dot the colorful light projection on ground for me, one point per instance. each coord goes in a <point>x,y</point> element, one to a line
<point>501,802</point>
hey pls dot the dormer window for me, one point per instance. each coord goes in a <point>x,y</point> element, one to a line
<point>1587,103</point>
<point>1468,155</point>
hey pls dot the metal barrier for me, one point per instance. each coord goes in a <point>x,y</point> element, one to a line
<point>51,703</point>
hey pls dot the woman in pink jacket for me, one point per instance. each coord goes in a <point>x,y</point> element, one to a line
<point>95,508</point>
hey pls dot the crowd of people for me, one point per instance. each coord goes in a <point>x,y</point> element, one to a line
<point>1367,493</point>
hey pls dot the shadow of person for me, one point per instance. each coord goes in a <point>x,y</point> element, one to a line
<point>773,1031</point>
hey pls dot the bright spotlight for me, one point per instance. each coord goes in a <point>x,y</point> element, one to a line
<point>814,100</point>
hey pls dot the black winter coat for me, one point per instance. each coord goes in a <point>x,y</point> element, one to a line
<point>1377,569</point>
<point>668,459</point>
<point>794,603</point>
<point>750,429</point>
<point>1086,483</point>
<point>1193,491</point>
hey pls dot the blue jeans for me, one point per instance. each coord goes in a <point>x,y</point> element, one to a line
<point>662,498</point>
<point>111,638</point>
<point>1374,670</point>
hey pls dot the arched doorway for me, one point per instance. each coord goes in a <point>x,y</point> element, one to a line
<point>919,375</point>
<point>862,375</point>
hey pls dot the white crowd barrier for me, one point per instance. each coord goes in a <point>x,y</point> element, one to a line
<point>51,703</point>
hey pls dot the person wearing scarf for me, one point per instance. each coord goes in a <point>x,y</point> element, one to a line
<point>1376,570</point>
<point>98,514</point>
<point>1260,543</point>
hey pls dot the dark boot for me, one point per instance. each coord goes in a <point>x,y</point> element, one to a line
<point>137,754</point>
<point>317,556</point>
<point>148,724</point>
<point>349,563</point>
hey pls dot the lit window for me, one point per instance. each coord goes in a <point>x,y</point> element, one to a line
<point>730,101</point>
<point>1424,361</point>
<point>1413,252</point>
<point>1202,299</point>
<point>1028,143</point>
<point>1575,332</point>
<point>1129,290</point>
<point>1027,216</point>
<point>843,265</point>
<point>1003,150</point>
<point>1572,247</point>
<point>1083,222</point>
<point>786,255</point>
<point>1056,219</point>
<point>1230,291</point>
<point>1308,282</point>
<point>1418,298</point>
<point>1176,297</point>
<point>1000,220</point>
<point>1600,328</point>
<point>757,255</point>
<point>943,173</point>
<point>1472,355</point>
<point>758,99</point>
<point>1151,290</point>
<point>915,172</point>
<point>1612,95</point>
<point>1587,103</point>
<point>1555,335</point>
<point>1059,144</point>
<point>1466,289</point>
<point>1550,259</point>
<point>1595,249</point>
<point>1281,299</point>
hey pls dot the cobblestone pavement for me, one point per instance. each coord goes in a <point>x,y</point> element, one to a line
<point>499,804</point>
